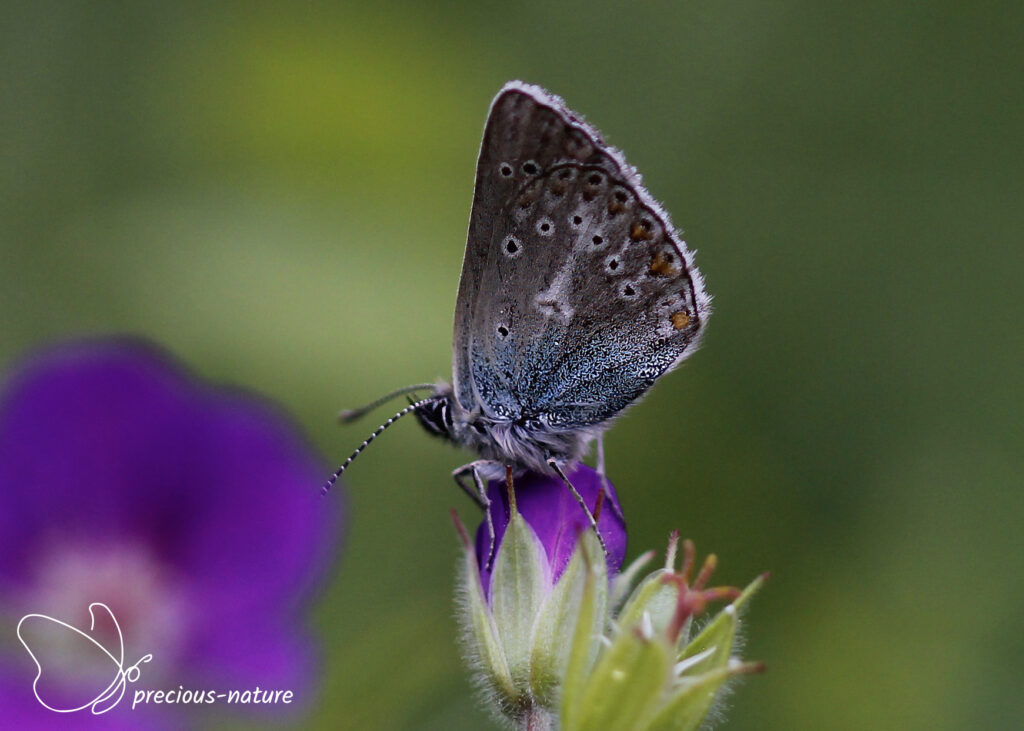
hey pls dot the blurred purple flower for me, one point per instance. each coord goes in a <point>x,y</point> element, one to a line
<point>191,512</point>
<point>552,512</point>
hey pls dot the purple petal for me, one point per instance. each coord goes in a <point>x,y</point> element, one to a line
<point>551,510</point>
<point>109,442</point>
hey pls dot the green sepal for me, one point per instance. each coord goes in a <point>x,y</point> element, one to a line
<point>519,584</point>
<point>691,701</point>
<point>752,588</point>
<point>626,684</point>
<point>584,644</point>
<point>563,612</point>
<point>484,651</point>
<point>622,582</point>
<point>656,597</point>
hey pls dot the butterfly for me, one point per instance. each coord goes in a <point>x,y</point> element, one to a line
<point>576,295</point>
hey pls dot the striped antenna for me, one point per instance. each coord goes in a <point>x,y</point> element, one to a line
<point>379,430</point>
<point>350,415</point>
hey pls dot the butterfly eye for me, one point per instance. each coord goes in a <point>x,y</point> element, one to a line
<point>577,220</point>
<point>628,291</point>
<point>597,240</point>
<point>505,169</point>
<point>613,265</point>
<point>502,332</point>
<point>595,179</point>
<point>530,167</point>
<point>545,227</point>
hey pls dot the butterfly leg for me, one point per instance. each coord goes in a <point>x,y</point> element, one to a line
<point>479,495</point>
<point>579,498</point>
<point>476,493</point>
<point>605,485</point>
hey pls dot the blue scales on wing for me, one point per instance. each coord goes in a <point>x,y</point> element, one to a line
<point>576,293</point>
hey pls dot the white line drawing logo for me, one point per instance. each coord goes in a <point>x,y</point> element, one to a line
<point>109,697</point>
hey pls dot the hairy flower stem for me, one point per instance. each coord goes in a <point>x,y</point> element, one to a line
<point>536,719</point>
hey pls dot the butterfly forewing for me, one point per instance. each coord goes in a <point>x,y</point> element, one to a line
<point>576,292</point>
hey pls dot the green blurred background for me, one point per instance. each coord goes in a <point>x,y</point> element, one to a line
<point>279,194</point>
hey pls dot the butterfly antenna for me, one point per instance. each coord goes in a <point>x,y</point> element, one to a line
<point>379,430</point>
<point>349,415</point>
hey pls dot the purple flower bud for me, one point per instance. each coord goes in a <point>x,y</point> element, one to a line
<point>551,510</point>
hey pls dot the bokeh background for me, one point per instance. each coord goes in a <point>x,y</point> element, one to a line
<point>279,194</point>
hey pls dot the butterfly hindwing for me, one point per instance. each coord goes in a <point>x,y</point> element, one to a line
<point>576,291</point>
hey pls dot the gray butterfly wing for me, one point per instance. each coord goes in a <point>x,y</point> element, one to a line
<point>576,292</point>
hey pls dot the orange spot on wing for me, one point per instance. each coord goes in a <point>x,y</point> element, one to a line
<point>680,320</point>
<point>660,265</point>
<point>639,232</point>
